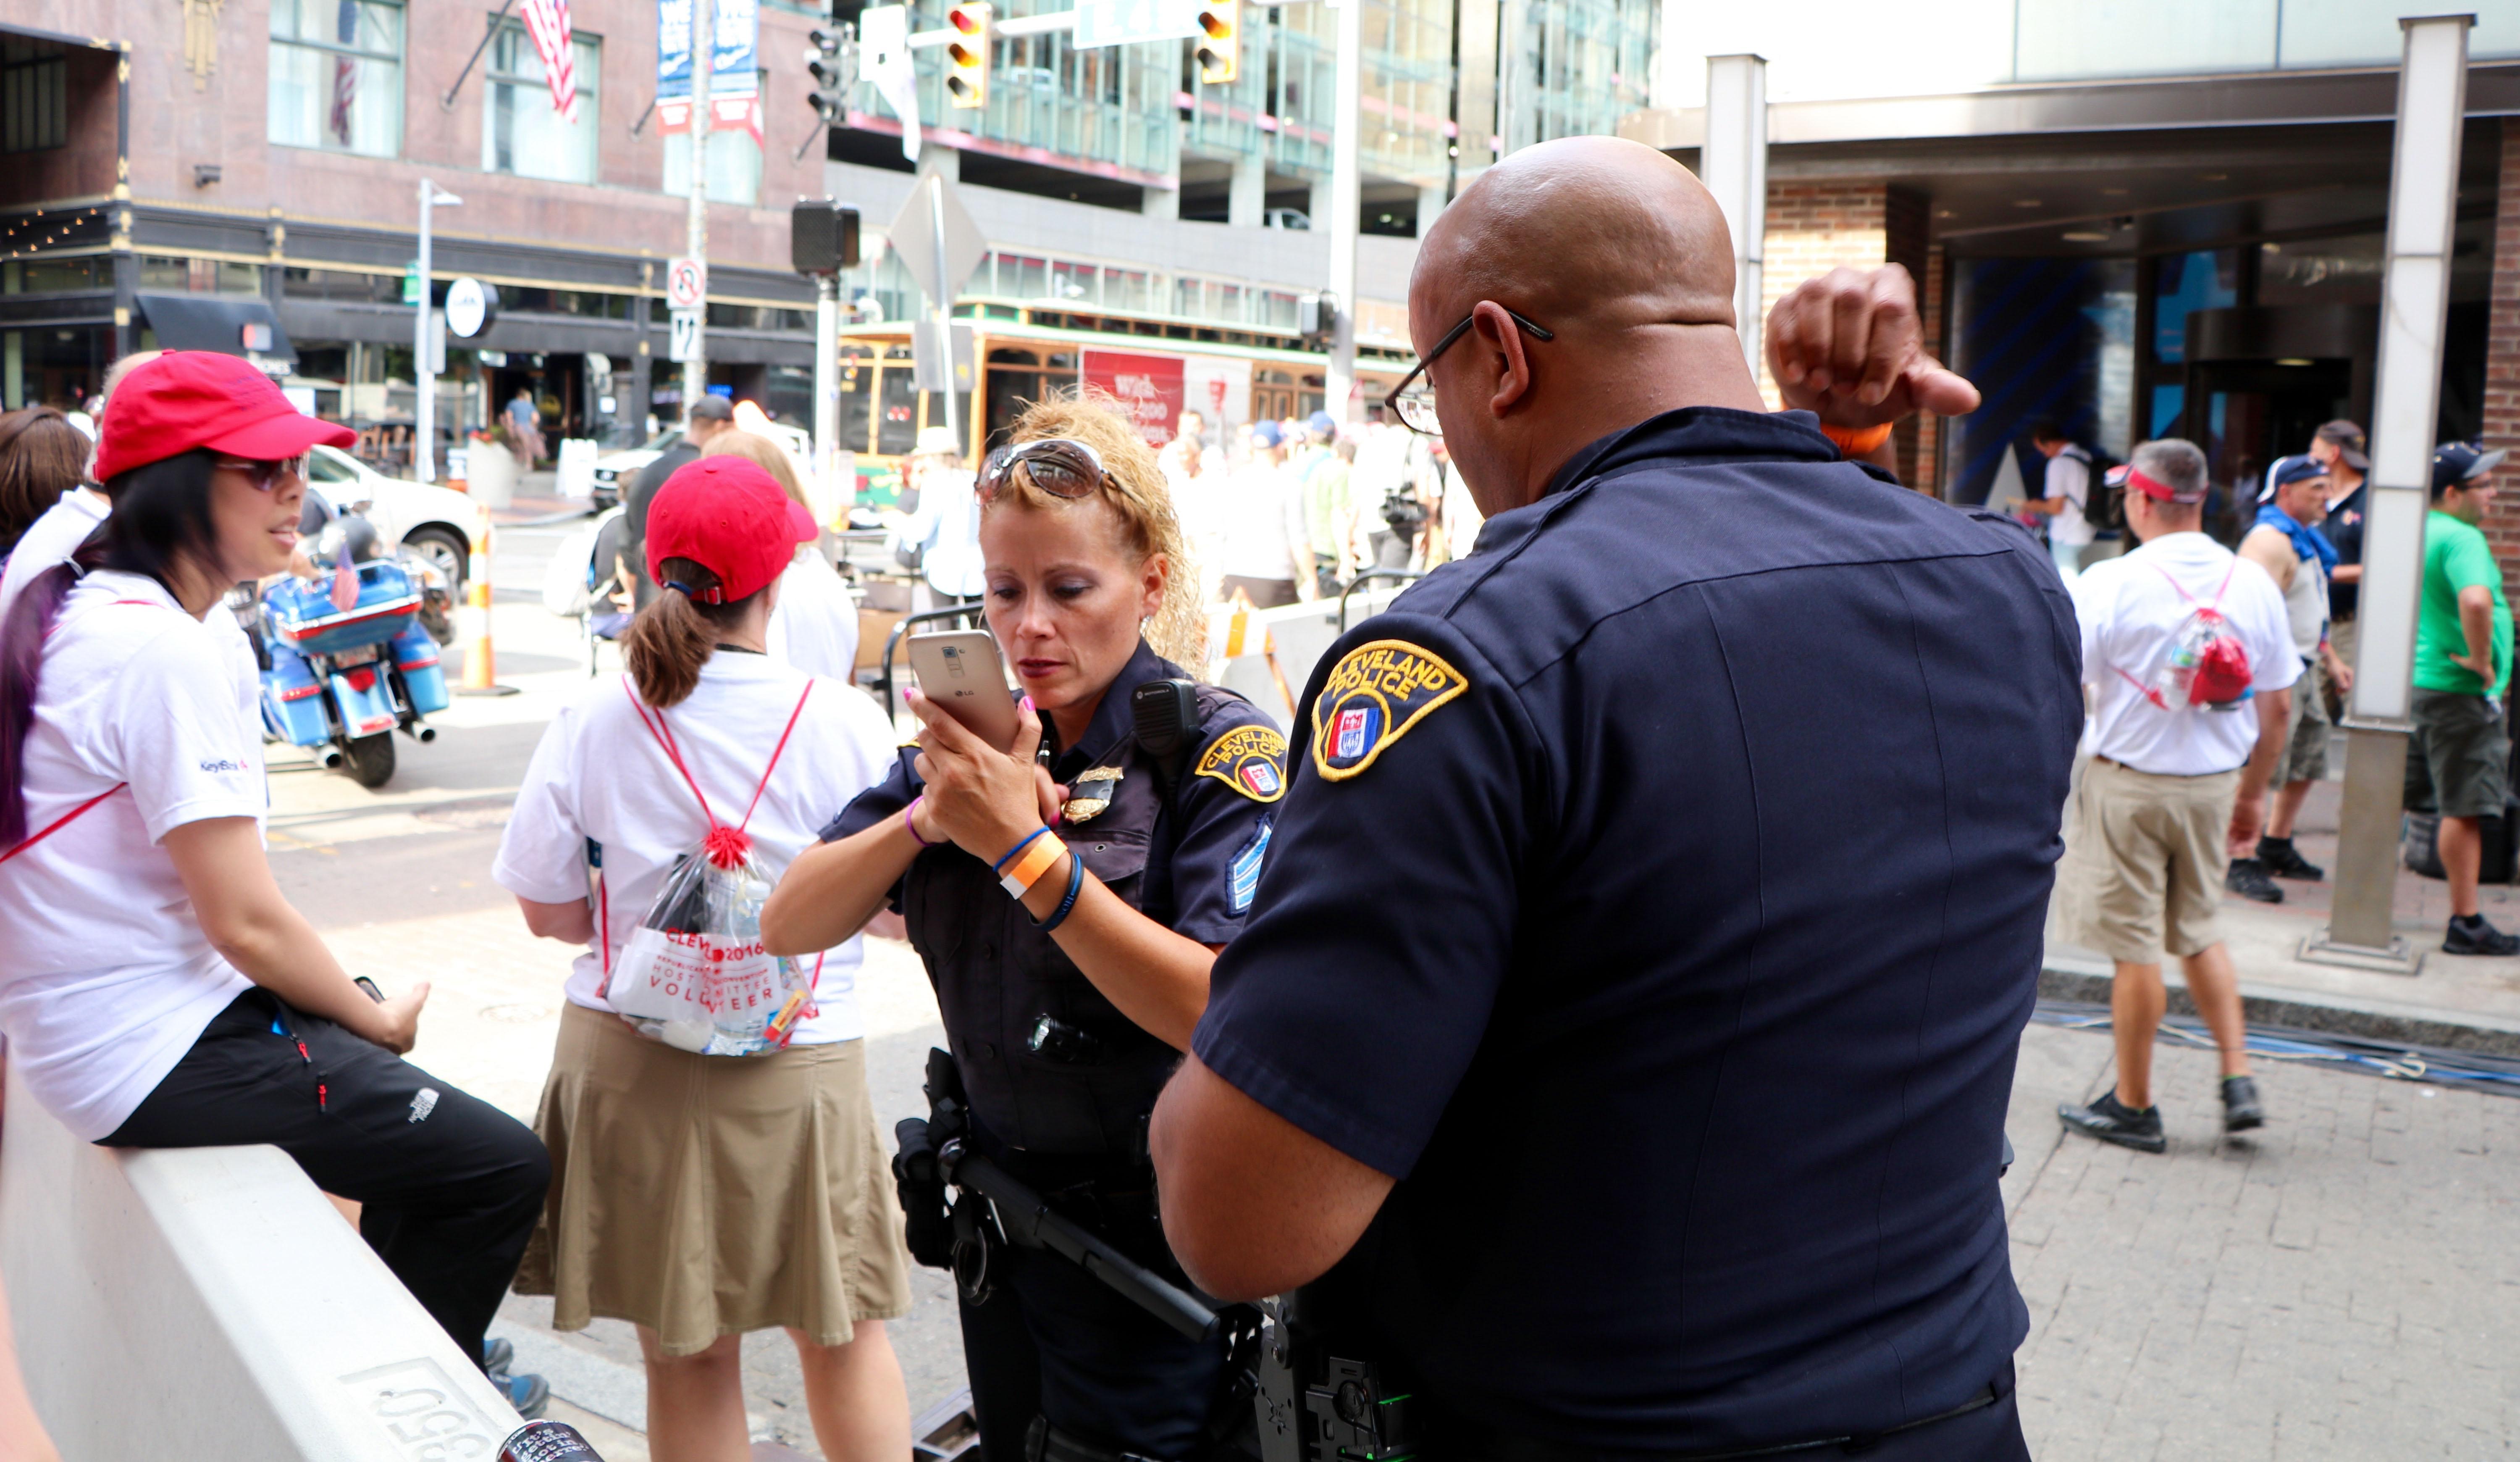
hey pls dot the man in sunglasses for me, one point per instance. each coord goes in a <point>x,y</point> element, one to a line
<point>1627,1015</point>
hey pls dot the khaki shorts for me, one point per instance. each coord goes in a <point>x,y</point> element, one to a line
<point>2144,859</point>
<point>705,1196</point>
<point>2457,758</point>
<point>2304,757</point>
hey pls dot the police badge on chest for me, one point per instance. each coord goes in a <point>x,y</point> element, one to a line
<point>1091,794</point>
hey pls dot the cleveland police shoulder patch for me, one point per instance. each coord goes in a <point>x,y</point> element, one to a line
<point>1373,697</point>
<point>1250,759</point>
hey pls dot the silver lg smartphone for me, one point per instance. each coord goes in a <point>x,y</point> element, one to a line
<point>963,671</point>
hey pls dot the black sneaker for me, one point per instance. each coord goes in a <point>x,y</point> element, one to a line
<point>497,1356</point>
<point>2240,1109</point>
<point>2473,935</point>
<point>2248,879</point>
<point>529,1395</point>
<point>2281,858</point>
<point>2112,1121</point>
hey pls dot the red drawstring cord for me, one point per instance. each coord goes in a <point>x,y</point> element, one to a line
<point>725,846</point>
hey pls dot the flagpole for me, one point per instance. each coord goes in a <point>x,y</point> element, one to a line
<point>446,103</point>
<point>696,228</point>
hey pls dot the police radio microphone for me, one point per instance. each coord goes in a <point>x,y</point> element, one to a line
<point>1165,716</point>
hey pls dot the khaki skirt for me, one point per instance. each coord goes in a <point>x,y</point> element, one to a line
<point>707,1195</point>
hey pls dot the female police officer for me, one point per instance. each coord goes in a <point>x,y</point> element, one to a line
<point>1067,1003</point>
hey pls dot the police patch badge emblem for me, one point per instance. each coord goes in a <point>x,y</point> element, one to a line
<point>1250,759</point>
<point>1090,794</point>
<point>1374,697</point>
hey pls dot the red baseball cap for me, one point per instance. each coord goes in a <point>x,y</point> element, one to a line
<point>728,515</point>
<point>199,398</point>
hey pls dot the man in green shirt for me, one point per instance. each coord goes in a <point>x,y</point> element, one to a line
<point>2458,758</point>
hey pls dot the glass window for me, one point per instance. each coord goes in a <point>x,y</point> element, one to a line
<point>34,95</point>
<point>896,430</point>
<point>2186,283</point>
<point>40,275</point>
<point>734,165</point>
<point>341,285</point>
<point>521,132</point>
<point>2322,271</point>
<point>857,398</point>
<point>2063,40</point>
<point>160,274</point>
<point>336,75</point>
<point>2059,334</point>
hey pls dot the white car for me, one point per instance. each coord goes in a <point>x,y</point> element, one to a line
<point>436,523</point>
<point>615,470</point>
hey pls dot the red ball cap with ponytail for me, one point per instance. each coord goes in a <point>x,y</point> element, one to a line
<point>199,398</point>
<point>730,517</point>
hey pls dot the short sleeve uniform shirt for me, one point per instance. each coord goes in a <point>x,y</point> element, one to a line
<point>1657,895</point>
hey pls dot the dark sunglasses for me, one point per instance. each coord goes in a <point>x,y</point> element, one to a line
<point>265,475</point>
<point>1061,465</point>
<point>1413,400</point>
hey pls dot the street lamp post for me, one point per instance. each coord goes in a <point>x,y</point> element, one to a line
<point>695,224</point>
<point>424,338</point>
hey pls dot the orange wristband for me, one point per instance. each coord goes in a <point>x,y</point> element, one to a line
<point>1036,860</point>
<point>1858,441</point>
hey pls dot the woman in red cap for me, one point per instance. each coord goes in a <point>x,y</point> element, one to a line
<point>711,1176</point>
<point>156,987</point>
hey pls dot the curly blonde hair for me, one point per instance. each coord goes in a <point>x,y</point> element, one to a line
<point>1137,494</point>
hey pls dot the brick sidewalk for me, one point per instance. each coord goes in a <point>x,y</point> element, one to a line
<point>2342,1284</point>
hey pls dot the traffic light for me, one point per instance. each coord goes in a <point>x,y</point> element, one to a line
<point>834,62</point>
<point>1220,40</point>
<point>967,57</point>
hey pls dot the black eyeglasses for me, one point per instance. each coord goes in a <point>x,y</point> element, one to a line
<point>265,475</point>
<point>1061,465</point>
<point>1413,400</point>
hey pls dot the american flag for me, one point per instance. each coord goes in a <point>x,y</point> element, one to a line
<point>547,21</point>
<point>345,71</point>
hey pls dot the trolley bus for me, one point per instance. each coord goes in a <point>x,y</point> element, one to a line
<point>1155,366</point>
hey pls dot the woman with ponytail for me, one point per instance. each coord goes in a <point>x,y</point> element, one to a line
<point>157,989</point>
<point>1069,915</point>
<point>703,1196</point>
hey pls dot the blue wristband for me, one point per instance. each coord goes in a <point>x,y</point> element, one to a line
<point>1075,886</point>
<point>1000,866</point>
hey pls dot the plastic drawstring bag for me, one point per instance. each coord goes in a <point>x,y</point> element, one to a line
<point>2207,667</point>
<point>693,975</point>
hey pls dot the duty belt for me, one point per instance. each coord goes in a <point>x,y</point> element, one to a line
<point>1525,1449</point>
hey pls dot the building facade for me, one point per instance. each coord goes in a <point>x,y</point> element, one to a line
<point>181,166</point>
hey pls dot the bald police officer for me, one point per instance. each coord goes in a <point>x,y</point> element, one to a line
<point>1632,994</point>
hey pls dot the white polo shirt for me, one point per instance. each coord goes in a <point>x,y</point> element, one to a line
<point>815,625</point>
<point>105,977</point>
<point>599,773</point>
<point>2131,614</point>
<point>2069,480</point>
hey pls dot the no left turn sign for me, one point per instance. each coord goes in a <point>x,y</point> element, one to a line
<point>686,282</point>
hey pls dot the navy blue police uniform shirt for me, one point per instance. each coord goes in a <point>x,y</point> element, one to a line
<point>1228,793</point>
<point>2344,528</point>
<point>1658,895</point>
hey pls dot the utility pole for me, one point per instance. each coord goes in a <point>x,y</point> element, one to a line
<point>1734,165</point>
<point>1346,204</point>
<point>827,383</point>
<point>2415,294</point>
<point>944,306</point>
<point>424,353</point>
<point>696,230</point>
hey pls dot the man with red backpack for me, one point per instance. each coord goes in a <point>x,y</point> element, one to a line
<point>2189,663</point>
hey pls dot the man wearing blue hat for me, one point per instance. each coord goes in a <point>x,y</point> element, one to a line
<point>2287,544</point>
<point>2457,758</point>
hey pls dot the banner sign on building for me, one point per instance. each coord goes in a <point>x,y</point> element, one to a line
<point>1149,387</point>
<point>735,82</point>
<point>1119,22</point>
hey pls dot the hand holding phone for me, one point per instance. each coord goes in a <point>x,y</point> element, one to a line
<point>965,674</point>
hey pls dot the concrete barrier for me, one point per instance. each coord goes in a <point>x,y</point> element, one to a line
<point>210,1303</point>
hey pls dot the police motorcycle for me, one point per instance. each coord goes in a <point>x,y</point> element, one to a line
<point>1299,1387</point>
<point>347,659</point>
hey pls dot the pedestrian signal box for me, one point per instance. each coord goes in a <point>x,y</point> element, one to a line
<point>1220,41</point>
<point>967,57</point>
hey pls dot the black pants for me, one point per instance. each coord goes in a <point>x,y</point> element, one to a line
<point>450,1185</point>
<point>1054,1342</point>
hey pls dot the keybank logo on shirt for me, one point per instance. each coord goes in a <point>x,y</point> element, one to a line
<point>223,765</point>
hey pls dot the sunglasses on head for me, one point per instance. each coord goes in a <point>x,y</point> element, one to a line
<point>1061,465</point>
<point>265,475</point>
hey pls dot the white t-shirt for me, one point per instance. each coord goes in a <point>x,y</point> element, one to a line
<point>1263,519</point>
<point>2131,614</point>
<point>600,774</point>
<point>2069,478</point>
<point>105,977</point>
<point>815,628</point>
<point>51,538</point>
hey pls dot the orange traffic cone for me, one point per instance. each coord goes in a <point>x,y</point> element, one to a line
<point>472,620</point>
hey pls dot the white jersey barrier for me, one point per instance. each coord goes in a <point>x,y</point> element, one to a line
<point>1295,637</point>
<point>209,1302</point>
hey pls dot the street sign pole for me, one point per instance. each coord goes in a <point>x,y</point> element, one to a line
<point>695,226</point>
<point>947,287</point>
<point>425,345</point>
<point>826,382</point>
